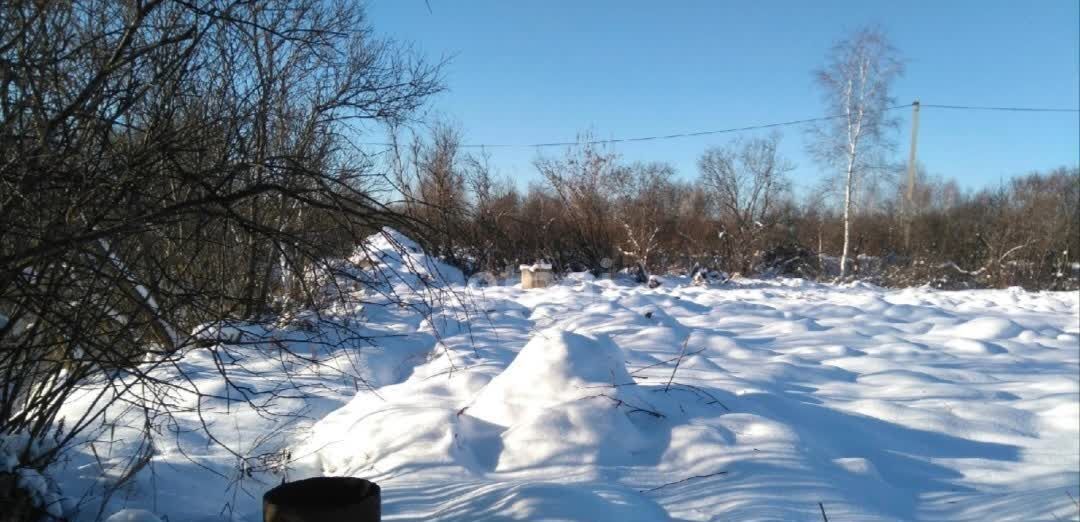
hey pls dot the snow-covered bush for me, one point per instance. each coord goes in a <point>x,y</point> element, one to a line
<point>707,277</point>
<point>27,494</point>
<point>482,280</point>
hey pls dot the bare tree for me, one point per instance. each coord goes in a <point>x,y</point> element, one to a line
<point>746,179</point>
<point>494,232</point>
<point>431,175</point>
<point>856,82</point>
<point>583,180</point>
<point>645,199</point>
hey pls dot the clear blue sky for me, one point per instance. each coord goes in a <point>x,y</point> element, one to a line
<point>541,71</point>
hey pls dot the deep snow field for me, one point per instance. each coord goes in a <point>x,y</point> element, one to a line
<point>555,404</point>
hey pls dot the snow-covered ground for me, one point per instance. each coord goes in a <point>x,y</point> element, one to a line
<point>565,403</point>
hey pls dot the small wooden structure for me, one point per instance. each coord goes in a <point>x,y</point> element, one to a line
<point>536,275</point>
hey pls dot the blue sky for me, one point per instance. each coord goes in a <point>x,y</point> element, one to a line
<point>541,71</point>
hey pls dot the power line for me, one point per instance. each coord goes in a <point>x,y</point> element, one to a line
<point>1011,109</point>
<point>733,129</point>
<point>680,135</point>
<point>650,138</point>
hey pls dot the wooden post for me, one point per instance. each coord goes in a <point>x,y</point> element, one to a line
<point>909,206</point>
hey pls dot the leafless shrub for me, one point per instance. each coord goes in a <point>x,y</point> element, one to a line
<point>169,165</point>
<point>747,180</point>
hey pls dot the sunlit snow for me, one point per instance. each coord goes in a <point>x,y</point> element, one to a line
<point>565,403</point>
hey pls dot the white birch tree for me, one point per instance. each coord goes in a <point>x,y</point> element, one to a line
<point>856,82</point>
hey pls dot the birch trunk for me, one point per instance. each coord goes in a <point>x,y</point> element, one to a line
<point>847,215</point>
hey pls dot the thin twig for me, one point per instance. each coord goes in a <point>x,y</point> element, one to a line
<point>661,363</point>
<point>684,480</point>
<point>677,363</point>
<point>701,393</point>
<point>630,407</point>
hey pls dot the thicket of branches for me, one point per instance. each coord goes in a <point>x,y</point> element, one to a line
<point>167,165</point>
<point>739,214</point>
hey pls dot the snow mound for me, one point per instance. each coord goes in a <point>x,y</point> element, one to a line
<point>348,442</point>
<point>562,401</point>
<point>984,328</point>
<point>972,346</point>
<point>555,367</point>
<point>579,277</point>
<point>397,258</point>
<point>482,280</point>
<point>133,515</point>
<point>566,399</point>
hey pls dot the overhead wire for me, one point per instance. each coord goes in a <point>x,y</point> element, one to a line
<point>984,108</point>
<point>739,129</point>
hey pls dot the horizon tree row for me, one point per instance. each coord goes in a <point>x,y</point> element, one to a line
<point>739,215</point>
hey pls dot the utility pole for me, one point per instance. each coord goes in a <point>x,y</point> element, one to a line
<point>910,203</point>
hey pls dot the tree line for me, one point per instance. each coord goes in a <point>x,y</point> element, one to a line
<point>740,214</point>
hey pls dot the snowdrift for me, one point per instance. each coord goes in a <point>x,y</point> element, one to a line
<point>554,404</point>
<point>564,400</point>
<point>394,257</point>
